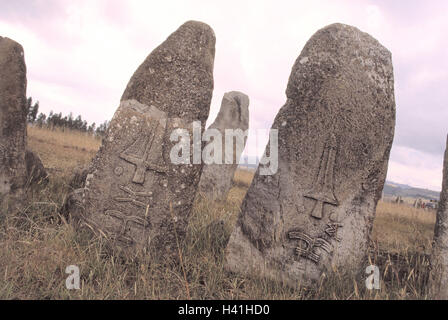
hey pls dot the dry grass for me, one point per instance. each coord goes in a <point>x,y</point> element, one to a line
<point>36,245</point>
<point>400,228</point>
<point>62,150</point>
<point>243,178</point>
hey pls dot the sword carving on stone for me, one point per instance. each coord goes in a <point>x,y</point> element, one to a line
<point>322,191</point>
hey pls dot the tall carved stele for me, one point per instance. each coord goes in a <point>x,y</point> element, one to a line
<point>439,258</point>
<point>335,133</point>
<point>134,195</point>
<point>13,112</point>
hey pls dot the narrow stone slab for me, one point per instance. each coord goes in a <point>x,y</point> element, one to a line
<point>13,114</point>
<point>35,170</point>
<point>439,257</point>
<point>134,195</point>
<point>217,178</point>
<point>334,138</point>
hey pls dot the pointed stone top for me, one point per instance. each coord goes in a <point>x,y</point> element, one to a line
<point>336,49</point>
<point>9,48</point>
<point>177,77</point>
<point>12,76</point>
<point>240,98</point>
<point>234,112</point>
<point>6,40</point>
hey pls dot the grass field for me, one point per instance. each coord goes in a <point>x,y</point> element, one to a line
<point>62,150</point>
<point>37,244</point>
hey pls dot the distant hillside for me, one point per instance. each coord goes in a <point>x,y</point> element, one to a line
<point>403,190</point>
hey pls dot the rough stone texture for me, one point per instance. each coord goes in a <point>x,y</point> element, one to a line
<point>13,113</point>
<point>133,194</point>
<point>79,177</point>
<point>216,179</point>
<point>334,134</point>
<point>36,173</point>
<point>72,208</point>
<point>439,257</point>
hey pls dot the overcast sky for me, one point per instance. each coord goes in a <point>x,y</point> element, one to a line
<point>80,55</point>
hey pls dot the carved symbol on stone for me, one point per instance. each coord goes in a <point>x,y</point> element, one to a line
<point>118,171</point>
<point>307,246</point>
<point>125,220</point>
<point>133,197</point>
<point>322,191</point>
<point>144,142</point>
<point>332,229</point>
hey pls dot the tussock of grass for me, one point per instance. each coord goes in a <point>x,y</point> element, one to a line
<point>37,244</point>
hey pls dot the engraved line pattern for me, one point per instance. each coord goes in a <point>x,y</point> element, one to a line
<point>332,229</point>
<point>125,222</point>
<point>308,250</point>
<point>133,197</point>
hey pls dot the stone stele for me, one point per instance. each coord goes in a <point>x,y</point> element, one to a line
<point>217,179</point>
<point>439,257</point>
<point>134,195</point>
<point>335,133</point>
<point>13,112</point>
<point>35,170</point>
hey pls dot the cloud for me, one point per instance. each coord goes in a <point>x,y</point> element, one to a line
<point>415,168</point>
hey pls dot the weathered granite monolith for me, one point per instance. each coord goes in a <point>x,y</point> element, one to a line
<point>13,113</point>
<point>232,122</point>
<point>134,194</point>
<point>439,256</point>
<point>335,133</point>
